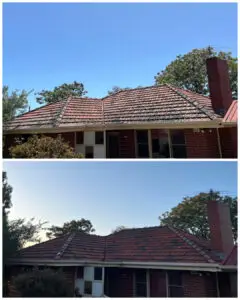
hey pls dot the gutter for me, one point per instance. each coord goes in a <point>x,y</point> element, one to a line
<point>210,267</point>
<point>217,123</point>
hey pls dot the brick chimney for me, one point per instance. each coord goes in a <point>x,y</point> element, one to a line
<point>219,220</point>
<point>219,84</point>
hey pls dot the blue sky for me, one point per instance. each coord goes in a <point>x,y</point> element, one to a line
<point>102,45</point>
<point>110,194</point>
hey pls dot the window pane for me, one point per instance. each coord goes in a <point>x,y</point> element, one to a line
<point>97,273</point>
<point>79,272</point>
<point>175,278</point>
<point>88,287</point>
<point>176,291</point>
<point>142,136</point>
<point>179,151</point>
<point>99,138</point>
<point>141,289</point>
<point>143,151</point>
<point>155,145</point>
<point>89,152</point>
<point>79,137</point>
<point>177,137</point>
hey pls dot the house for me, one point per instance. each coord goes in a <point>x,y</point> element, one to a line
<point>152,122</point>
<point>143,262</point>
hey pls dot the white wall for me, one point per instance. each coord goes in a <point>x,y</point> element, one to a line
<point>99,151</point>
<point>97,285</point>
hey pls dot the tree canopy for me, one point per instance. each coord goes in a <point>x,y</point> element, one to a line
<point>13,103</point>
<point>118,229</point>
<point>191,214</point>
<point>70,227</point>
<point>115,89</point>
<point>62,92</point>
<point>189,71</point>
<point>43,147</point>
<point>43,283</point>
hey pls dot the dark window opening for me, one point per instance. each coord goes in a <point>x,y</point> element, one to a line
<point>142,143</point>
<point>88,287</point>
<point>97,273</point>
<point>80,137</point>
<point>140,283</point>
<point>80,272</point>
<point>99,138</point>
<point>178,144</point>
<point>175,284</point>
<point>160,147</point>
<point>89,152</point>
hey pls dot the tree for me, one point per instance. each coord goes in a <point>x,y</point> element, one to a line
<point>191,214</point>
<point>82,225</point>
<point>115,89</point>
<point>43,147</point>
<point>14,103</point>
<point>189,71</point>
<point>118,229</point>
<point>6,193</point>
<point>62,92</point>
<point>42,283</point>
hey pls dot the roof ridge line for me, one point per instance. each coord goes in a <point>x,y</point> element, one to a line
<point>193,102</point>
<point>61,112</point>
<point>65,246</point>
<point>193,245</point>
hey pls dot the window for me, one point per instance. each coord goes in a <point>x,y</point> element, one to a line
<point>140,283</point>
<point>80,272</point>
<point>97,273</point>
<point>178,144</point>
<point>142,143</point>
<point>160,144</point>
<point>89,152</point>
<point>88,287</point>
<point>80,137</point>
<point>175,287</point>
<point>99,138</point>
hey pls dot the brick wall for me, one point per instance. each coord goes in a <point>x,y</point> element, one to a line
<point>126,144</point>
<point>199,286</point>
<point>228,138</point>
<point>202,145</point>
<point>158,286</point>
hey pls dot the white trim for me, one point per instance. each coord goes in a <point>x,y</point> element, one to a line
<point>183,125</point>
<point>211,267</point>
<point>150,143</point>
<point>148,283</point>
<point>219,143</point>
<point>170,144</point>
<point>166,278</point>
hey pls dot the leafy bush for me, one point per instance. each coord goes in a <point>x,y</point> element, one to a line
<point>42,283</point>
<point>43,147</point>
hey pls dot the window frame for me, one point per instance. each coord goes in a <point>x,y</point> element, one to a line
<point>170,285</point>
<point>80,132</point>
<point>91,287</point>
<point>147,283</point>
<point>141,143</point>
<point>177,144</point>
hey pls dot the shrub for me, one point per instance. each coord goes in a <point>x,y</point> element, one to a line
<point>42,283</point>
<point>43,147</point>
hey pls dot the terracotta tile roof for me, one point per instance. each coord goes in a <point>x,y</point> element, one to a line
<point>232,113</point>
<point>158,104</point>
<point>231,259</point>
<point>153,244</point>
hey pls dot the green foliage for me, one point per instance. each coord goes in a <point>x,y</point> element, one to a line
<point>119,228</point>
<point>70,227</point>
<point>14,103</point>
<point>43,147</point>
<point>6,193</point>
<point>115,89</point>
<point>42,283</point>
<point>62,92</point>
<point>189,71</point>
<point>191,214</point>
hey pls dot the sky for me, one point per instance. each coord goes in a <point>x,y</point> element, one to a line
<point>111,194</point>
<point>106,44</point>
